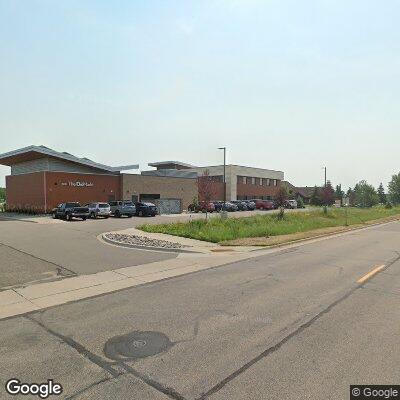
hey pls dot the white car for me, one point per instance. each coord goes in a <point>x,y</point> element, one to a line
<point>99,210</point>
<point>292,203</point>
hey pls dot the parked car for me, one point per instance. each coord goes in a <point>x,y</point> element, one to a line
<point>145,209</point>
<point>218,205</point>
<point>203,206</point>
<point>250,205</point>
<point>291,204</point>
<point>99,210</point>
<point>231,207</point>
<point>242,206</point>
<point>264,204</point>
<point>70,210</point>
<point>120,208</point>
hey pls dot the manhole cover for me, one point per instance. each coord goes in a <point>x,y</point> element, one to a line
<point>136,344</point>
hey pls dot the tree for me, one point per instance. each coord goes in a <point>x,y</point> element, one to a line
<point>328,194</point>
<point>280,200</point>
<point>300,202</point>
<point>339,193</point>
<point>365,194</point>
<point>351,195</point>
<point>394,189</point>
<point>382,194</point>
<point>205,187</point>
<point>2,194</point>
<point>315,198</point>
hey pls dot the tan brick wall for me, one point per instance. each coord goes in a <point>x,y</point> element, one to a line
<point>167,187</point>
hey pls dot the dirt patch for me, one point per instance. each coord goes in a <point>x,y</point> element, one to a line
<point>293,237</point>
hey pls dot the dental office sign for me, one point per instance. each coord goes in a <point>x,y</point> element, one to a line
<point>77,184</point>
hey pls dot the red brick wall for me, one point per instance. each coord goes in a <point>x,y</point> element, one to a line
<point>216,190</point>
<point>59,189</point>
<point>256,191</point>
<point>27,190</point>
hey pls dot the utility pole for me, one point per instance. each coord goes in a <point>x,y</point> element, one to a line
<point>224,149</point>
<point>325,205</point>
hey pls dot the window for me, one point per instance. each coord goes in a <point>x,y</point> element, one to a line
<point>257,181</point>
<point>248,180</point>
<point>275,182</point>
<point>241,179</point>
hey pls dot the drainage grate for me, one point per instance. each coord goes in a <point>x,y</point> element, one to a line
<point>136,345</point>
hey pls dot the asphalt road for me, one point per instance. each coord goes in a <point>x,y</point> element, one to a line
<point>32,252</point>
<point>290,325</point>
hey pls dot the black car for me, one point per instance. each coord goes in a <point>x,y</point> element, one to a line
<point>218,205</point>
<point>250,205</point>
<point>146,209</point>
<point>71,210</point>
<point>242,206</point>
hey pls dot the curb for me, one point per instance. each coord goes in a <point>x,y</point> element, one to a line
<point>136,246</point>
<point>322,236</point>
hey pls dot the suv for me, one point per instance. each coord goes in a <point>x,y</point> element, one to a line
<point>120,208</point>
<point>144,209</point>
<point>291,204</point>
<point>70,210</point>
<point>99,210</point>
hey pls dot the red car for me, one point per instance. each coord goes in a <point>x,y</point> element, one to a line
<point>264,204</point>
<point>203,206</point>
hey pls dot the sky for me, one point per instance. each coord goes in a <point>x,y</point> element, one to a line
<point>283,84</point>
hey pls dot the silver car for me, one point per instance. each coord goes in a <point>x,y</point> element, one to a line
<point>99,210</point>
<point>120,208</point>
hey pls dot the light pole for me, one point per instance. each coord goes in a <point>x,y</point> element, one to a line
<point>224,149</point>
<point>325,206</point>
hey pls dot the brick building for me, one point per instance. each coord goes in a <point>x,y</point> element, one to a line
<point>42,178</point>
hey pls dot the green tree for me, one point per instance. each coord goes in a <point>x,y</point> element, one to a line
<point>365,194</point>
<point>394,189</point>
<point>382,194</point>
<point>328,194</point>
<point>280,200</point>
<point>315,198</point>
<point>339,193</point>
<point>2,194</point>
<point>300,202</point>
<point>351,195</point>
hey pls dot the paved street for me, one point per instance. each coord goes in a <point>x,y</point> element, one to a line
<point>32,252</point>
<point>294,324</point>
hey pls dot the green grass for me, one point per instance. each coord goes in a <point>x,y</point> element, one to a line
<point>218,230</point>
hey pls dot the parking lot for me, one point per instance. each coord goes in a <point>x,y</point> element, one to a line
<point>40,248</point>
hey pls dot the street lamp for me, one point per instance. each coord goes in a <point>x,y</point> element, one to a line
<point>325,205</point>
<point>224,149</point>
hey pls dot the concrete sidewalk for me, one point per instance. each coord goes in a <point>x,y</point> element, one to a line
<point>36,297</point>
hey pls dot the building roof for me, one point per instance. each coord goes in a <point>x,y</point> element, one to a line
<point>35,152</point>
<point>298,190</point>
<point>159,164</point>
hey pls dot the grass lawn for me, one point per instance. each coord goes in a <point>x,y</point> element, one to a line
<point>217,230</point>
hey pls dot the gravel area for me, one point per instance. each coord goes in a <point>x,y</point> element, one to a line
<point>143,241</point>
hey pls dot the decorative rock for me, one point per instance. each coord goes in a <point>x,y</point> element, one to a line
<point>142,241</point>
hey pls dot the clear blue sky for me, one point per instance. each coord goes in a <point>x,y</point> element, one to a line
<point>286,84</point>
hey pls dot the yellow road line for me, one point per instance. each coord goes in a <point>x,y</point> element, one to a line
<point>371,274</point>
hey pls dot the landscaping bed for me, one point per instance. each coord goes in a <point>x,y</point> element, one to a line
<point>217,230</point>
